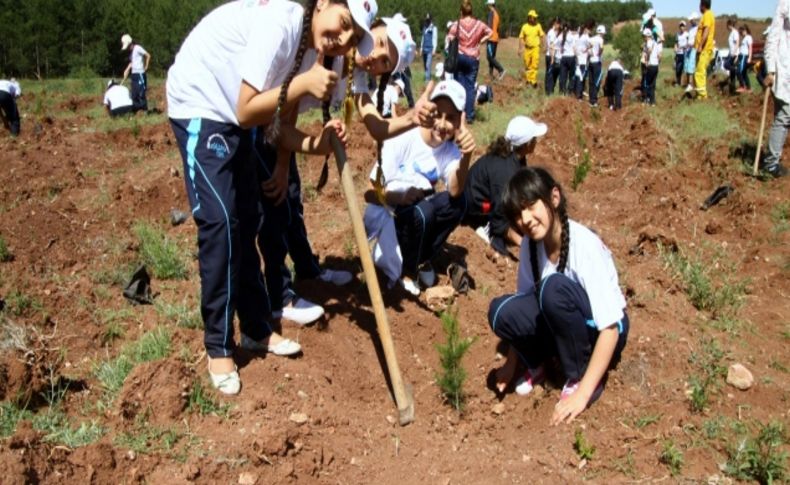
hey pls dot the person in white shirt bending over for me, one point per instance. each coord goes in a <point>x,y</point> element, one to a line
<point>139,59</point>
<point>9,91</point>
<point>117,99</point>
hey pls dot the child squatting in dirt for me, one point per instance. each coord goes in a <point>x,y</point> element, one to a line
<point>568,298</point>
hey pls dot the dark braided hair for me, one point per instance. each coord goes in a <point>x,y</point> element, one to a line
<point>526,187</point>
<point>500,148</point>
<point>273,133</point>
<point>383,81</point>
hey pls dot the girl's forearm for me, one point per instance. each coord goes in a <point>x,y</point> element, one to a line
<point>255,108</point>
<point>600,360</point>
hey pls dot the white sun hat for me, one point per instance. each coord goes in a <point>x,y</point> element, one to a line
<point>126,39</point>
<point>364,12</point>
<point>399,34</point>
<point>453,90</point>
<point>522,130</point>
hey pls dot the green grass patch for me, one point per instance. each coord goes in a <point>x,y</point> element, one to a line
<point>161,254</point>
<point>58,428</point>
<point>672,457</point>
<point>184,314</point>
<point>5,254</point>
<point>582,446</point>
<point>761,457</point>
<point>780,216</point>
<point>19,304</point>
<point>707,362</point>
<point>201,402</point>
<point>647,420</point>
<point>10,415</point>
<point>452,375</point>
<point>686,123</point>
<point>153,345</point>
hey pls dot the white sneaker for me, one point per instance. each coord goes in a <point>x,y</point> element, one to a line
<point>689,88</point>
<point>336,277</point>
<point>502,75</point>
<point>302,312</point>
<point>228,383</point>
<point>409,285</point>
<point>285,348</point>
<point>427,275</point>
<point>484,233</point>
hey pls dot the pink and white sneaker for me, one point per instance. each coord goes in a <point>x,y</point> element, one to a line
<point>530,379</point>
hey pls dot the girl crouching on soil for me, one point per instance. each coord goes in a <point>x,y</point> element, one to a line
<point>239,68</point>
<point>568,298</point>
<point>489,176</point>
<point>418,220</point>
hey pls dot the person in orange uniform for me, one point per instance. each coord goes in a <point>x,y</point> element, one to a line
<point>703,43</point>
<point>529,45</point>
<point>493,41</point>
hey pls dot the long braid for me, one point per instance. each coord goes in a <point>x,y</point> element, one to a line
<point>273,133</point>
<point>324,177</point>
<point>565,238</point>
<point>379,182</point>
<point>533,256</point>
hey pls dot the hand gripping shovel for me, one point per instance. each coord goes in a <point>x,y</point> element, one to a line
<point>403,396</point>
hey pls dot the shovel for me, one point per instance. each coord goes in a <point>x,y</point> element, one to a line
<point>403,396</point>
<point>762,131</point>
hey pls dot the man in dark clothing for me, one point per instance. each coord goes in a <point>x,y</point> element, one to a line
<point>488,177</point>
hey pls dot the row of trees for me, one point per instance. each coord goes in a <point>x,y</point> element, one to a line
<point>47,38</point>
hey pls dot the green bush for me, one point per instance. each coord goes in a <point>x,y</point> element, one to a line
<point>628,42</point>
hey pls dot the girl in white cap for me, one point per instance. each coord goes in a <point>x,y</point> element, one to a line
<point>9,91</point>
<point>568,302</point>
<point>393,50</point>
<point>489,176</point>
<point>139,59</point>
<point>690,62</point>
<point>416,219</point>
<point>241,67</point>
<point>652,54</point>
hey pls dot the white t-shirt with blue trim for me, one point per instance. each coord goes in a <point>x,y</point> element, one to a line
<point>590,264</point>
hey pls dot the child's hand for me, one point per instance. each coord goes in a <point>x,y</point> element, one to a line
<point>464,138</point>
<point>424,109</point>
<point>339,129</point>
<point>320,81</point>
<point>567,409</point>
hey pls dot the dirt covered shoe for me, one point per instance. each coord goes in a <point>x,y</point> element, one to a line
<point>301,312</point>
<point>285,348</point>
<point>531,378</point>
<point>336,277</point>
<point>227,383</point>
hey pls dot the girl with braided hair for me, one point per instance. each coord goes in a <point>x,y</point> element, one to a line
<point>568,298</point>
<point>239,68</point>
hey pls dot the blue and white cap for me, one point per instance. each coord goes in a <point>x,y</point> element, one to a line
<point>399,34</point>
<point>364,12</point>
<point>451,89</point>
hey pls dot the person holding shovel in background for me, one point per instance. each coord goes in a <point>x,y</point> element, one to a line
<point>777,62</point>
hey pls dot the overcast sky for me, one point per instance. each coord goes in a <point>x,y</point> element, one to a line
<point>743,8</point>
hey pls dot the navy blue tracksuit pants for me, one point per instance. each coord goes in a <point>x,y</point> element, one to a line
<point>139,82</point>
<point>594,74</point>
<point>613,88</point>
<point>557,317</point>
<point>10,111</point>
<point>423,228</point>
<point>579,82</point>
<point>567,72</point>
<point>283,232</point>
<point>219,173</point>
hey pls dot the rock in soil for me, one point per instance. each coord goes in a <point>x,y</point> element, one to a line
<point>739,376</point>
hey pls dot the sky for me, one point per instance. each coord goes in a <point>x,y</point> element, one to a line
<point>743,8</point>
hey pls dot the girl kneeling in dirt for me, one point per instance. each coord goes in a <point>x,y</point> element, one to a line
<point>488,178</point>
<point>418,220</point>
<point>568,298</point>
<point>239,68</point>
<point>283,231</point>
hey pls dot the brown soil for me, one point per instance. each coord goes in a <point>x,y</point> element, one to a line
<point>69,199</point>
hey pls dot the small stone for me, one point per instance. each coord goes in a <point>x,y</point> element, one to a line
<point>354,461</point>
<point>302,394</point>
<point>131,455</point>
<point>391,419</point>
<point>499,356</point>
<point>298,418</point>
<point>498,408</point>
<point>739,377</point>
<point>525,458</point>
<point>582,464</point>
<point>247,478</point>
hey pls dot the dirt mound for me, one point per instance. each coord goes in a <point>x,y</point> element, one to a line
<point>159,389</point>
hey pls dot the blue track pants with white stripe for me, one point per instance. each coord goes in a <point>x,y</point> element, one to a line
<point>221,184</point>
<point>557,319</point>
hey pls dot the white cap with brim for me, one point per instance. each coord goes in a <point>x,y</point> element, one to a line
<point>126,39</point>
<point>453,90</point>
<point>364,12</point>
<point>694,16</point>
<point>490,2</point>
<point>399,17</point>
<point>650,13</point>
<point>601,29</point>
<point>521,130</point>
<point>400,35</point>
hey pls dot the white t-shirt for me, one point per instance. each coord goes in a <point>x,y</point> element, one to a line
<point>551,40</point>
<point>407,161</point>
<point>732,41</point>
<point>582,49</point>
<point>569,46</point>
<point>138,59</point>
<point>692,36</point>
<point>390,99</point>
<point>682,43</point>
<point>11,87</point>
<point>590,264</point>
<point>247,40</point>
<point>615,66</point>
<point>596,48</point>
<point>746,44</point>
<point>652,52</point>
<point>117,97</point>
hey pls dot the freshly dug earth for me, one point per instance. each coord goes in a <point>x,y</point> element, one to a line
<point>69,200</point>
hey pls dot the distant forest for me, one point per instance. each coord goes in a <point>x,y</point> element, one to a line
<point>53,38</point>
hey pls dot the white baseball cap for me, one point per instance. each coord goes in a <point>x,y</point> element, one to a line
<point>694,16</point>
<point>364,12</point>
<point>490,2</point>
<point>399,34</point>
<point>650,13</point>
<point>399,17</point>
<point>126,39</point>
<point>601,29</point>
<point>522,130</point>
<point>450,89</point>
